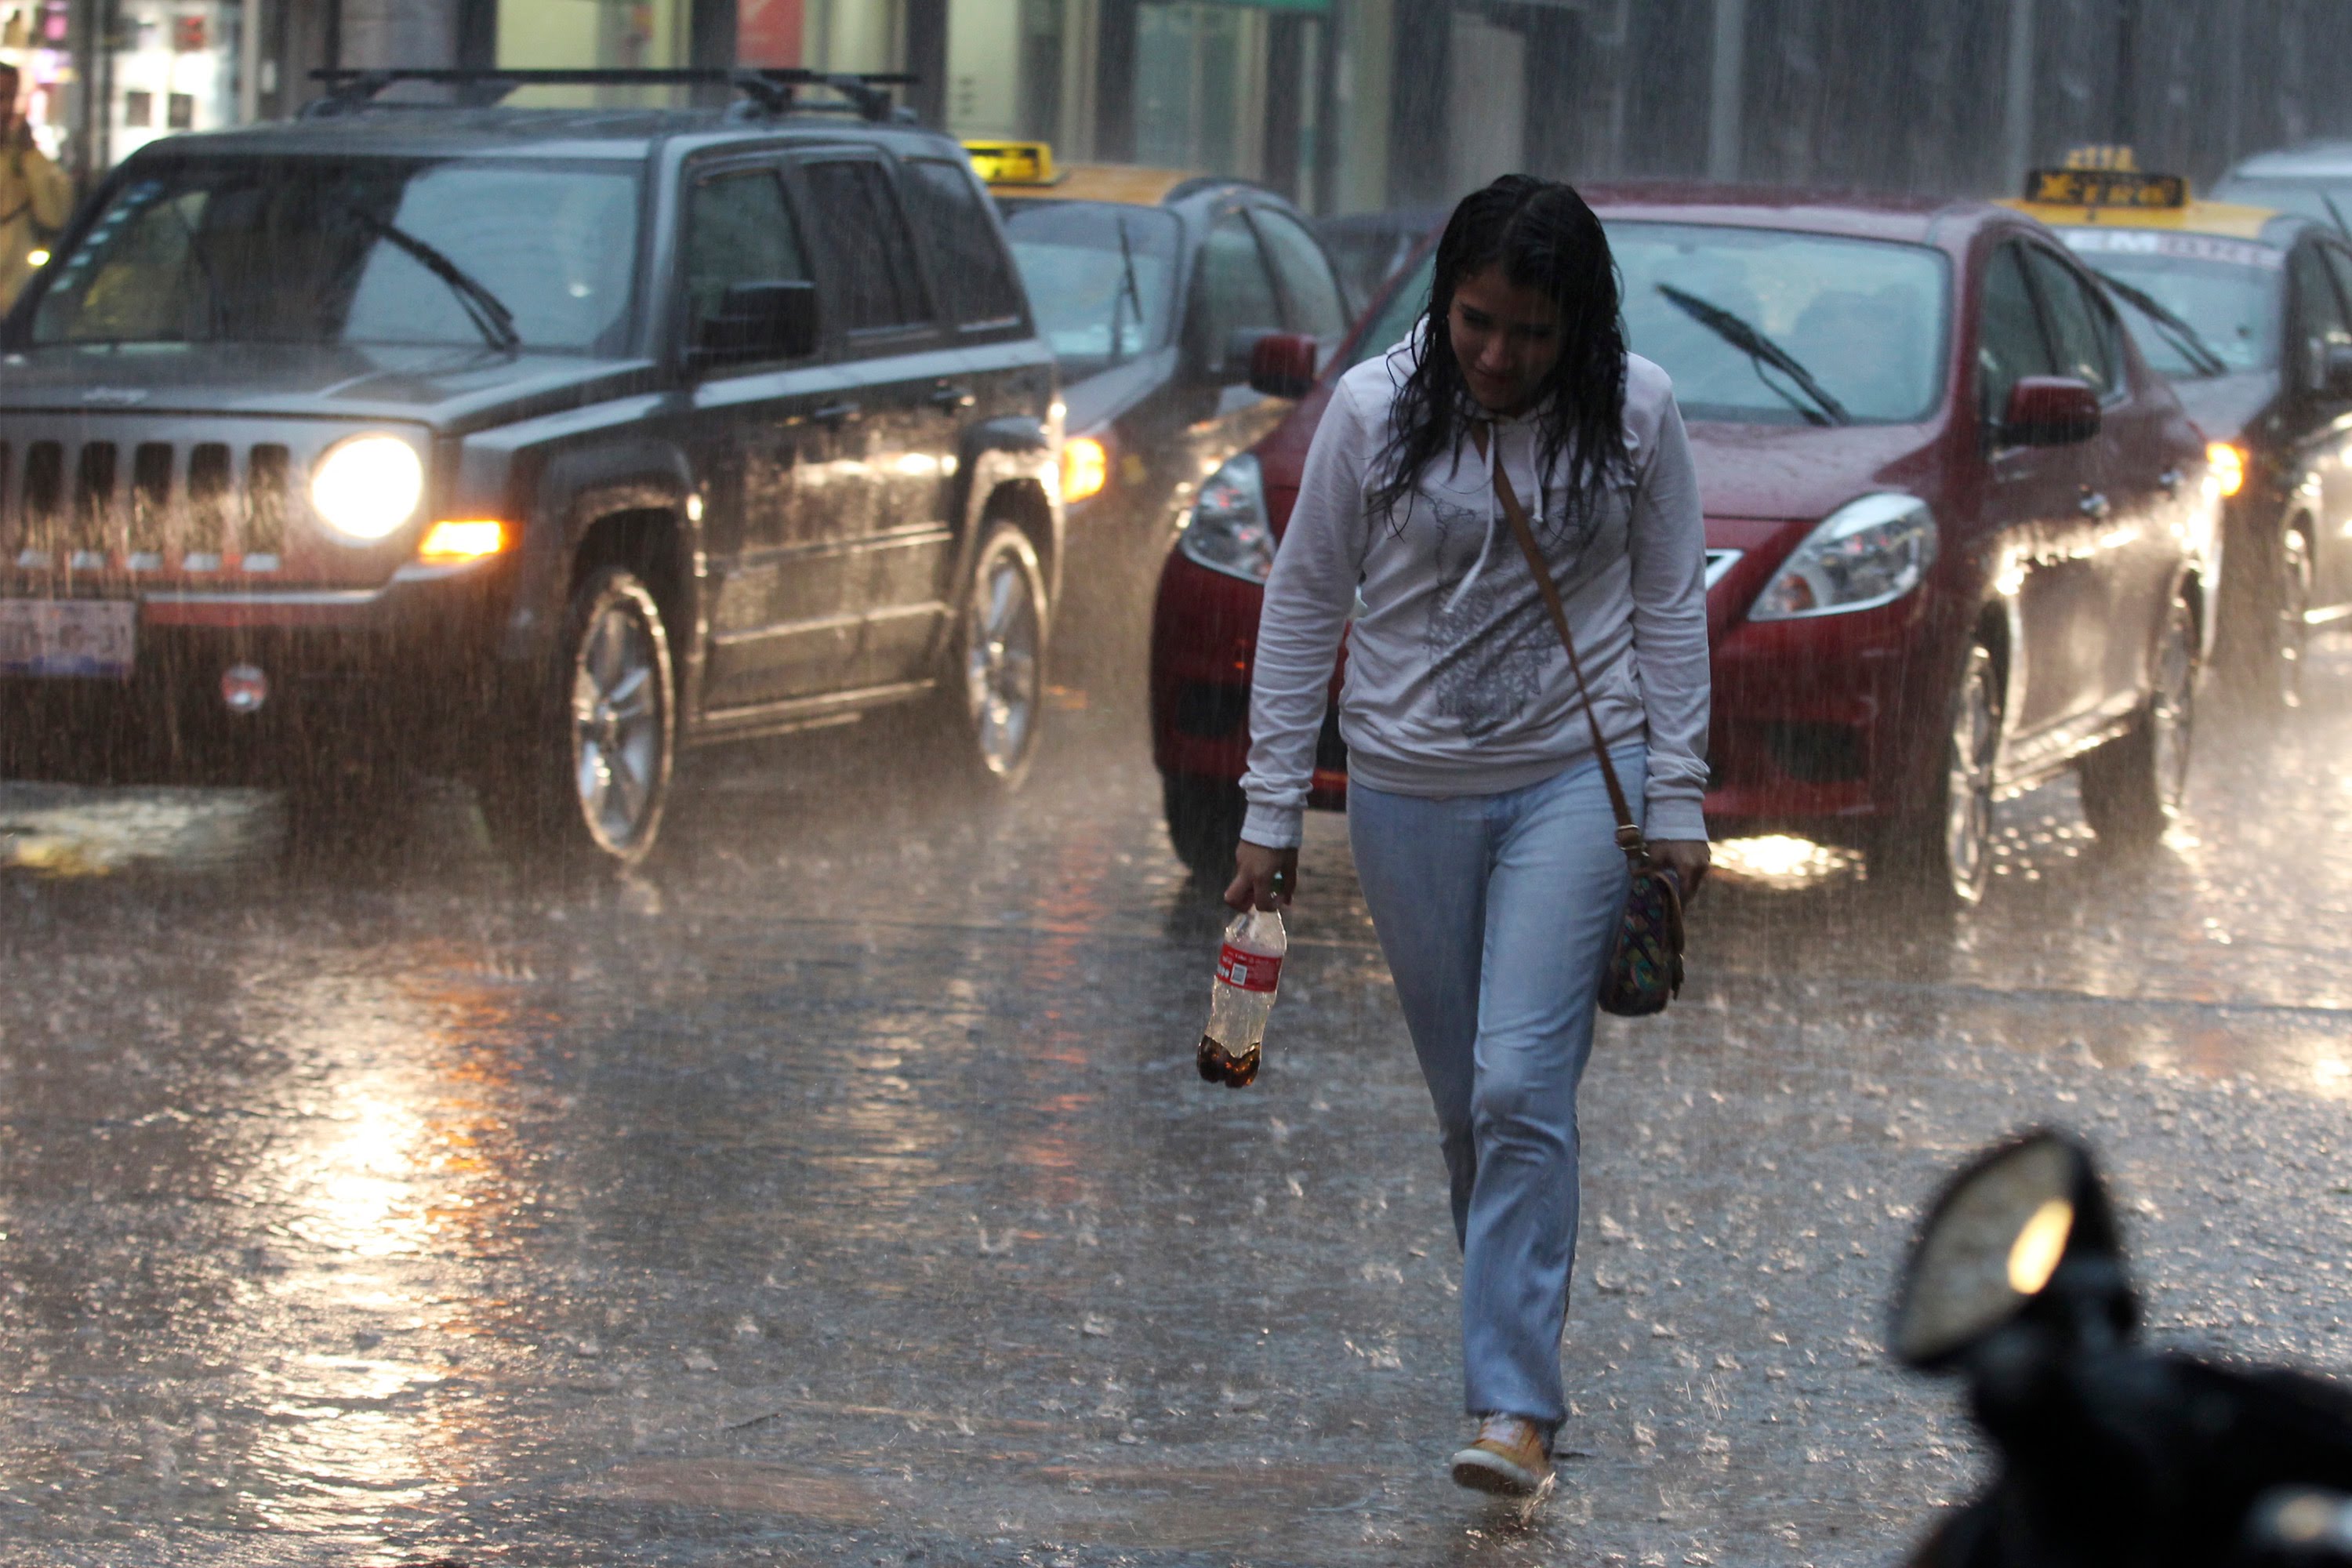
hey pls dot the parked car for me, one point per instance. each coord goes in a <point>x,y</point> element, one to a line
<point>1959,536</point>
<point>533,444</point>
<point>2314,180</point>
<point>1154,287</point>
<point>2249,310</point>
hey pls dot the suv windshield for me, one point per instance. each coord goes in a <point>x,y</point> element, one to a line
<point>1863,317</point>
<point>2225,292</point>
<point>1098,276</point>
<point>529,254</point>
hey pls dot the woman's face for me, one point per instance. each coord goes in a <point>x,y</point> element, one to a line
<point>1506,338</point>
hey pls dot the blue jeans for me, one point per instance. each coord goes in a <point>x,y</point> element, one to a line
<point>1496,913</point>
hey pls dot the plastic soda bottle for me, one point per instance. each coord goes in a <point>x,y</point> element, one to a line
<point>1249,966</point>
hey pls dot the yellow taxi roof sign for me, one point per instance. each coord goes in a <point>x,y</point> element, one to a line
<point>1027,170</point>
<point>2223,219</point>
<point>1012,162</point>
<point>2106,188</point>
<point>2103,185</point>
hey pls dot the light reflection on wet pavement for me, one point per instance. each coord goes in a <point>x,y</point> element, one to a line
<point>841,1190</point>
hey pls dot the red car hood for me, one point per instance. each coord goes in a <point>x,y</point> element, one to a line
<point>1802,473</point>
<point>1777,472</point>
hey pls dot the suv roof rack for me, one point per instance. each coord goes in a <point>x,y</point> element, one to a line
<point>767,90</point>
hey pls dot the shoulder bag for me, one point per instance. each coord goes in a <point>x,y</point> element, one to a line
<point>1646,966</point>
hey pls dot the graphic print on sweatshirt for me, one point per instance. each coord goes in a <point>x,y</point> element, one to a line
<point>1490,646</point>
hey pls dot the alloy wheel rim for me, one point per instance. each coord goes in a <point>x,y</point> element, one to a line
<point>2171,712</point>
<point>1001,665</point>
<point>1967,826</point>
<point>616,725</point>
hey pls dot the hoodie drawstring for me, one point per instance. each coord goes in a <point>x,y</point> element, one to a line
<point>1494,458</point>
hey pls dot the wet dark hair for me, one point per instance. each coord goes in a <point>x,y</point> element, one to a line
<point>1544,237</point>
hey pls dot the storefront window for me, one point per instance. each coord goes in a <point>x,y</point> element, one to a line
<point>556,34</point>
<point>171,68</point>
<point>36,40</point>
<point>1191,98</point>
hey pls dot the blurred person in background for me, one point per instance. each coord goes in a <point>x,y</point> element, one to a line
<point>36,198</point>
<point>1483,834</point>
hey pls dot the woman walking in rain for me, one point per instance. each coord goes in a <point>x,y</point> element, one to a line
<point>1480,823</point>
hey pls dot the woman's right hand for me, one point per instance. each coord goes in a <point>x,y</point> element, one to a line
<point>1263,879</point>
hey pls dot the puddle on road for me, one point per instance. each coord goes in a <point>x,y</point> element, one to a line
<point>59,831</point>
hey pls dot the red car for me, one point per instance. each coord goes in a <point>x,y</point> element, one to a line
<point>1960,538</point>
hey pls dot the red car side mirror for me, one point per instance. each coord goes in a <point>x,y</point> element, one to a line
<point>1282,364</point>
<point>2049,411</point>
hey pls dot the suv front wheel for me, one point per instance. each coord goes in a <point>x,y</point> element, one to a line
<point>594,774</point>
<point>996,689</point>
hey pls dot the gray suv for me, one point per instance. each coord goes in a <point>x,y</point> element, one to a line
<point>532,445</point>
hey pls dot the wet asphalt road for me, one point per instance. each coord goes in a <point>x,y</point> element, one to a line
<point>841,1191</point>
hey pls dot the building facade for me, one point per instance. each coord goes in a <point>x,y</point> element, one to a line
<point>1345,104</point>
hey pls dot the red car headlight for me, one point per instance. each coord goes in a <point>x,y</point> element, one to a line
<point>1229,531</point>
<point>1868,553</point>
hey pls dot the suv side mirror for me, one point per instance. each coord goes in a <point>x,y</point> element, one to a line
<point>759,321</point>
<point>2049,411</point>
<point>1282,364</point>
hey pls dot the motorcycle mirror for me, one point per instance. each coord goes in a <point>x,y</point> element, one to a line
<point>2298,1527</point>
<point>1994,1241</point>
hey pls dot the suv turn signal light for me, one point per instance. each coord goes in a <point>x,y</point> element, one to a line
<point>469,539</point>
<point>2228,466</point>
<point>1086,468</point>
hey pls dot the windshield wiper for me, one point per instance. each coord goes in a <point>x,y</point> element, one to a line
<point>1761,350</point>
<point>1130,292</point>
<point>485,309</point>
<point>2178,333</point>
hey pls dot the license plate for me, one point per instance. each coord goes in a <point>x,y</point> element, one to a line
<point>68,637</point>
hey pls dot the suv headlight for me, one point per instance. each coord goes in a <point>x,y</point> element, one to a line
<point>1868,553</point>
<point>366,487</point>
<point>1229,531</point>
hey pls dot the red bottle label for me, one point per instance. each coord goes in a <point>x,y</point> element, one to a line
<point>1248,971</point>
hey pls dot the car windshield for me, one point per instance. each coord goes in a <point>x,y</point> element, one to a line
<point>2224,291</point>
<point>1099,276</point>
<point>533,254</point>
<point>1864,319</point>
<point>1769,326</point>
<point>2322,199</point>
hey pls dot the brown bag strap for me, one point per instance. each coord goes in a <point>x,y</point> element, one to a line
<point>1629,833</point>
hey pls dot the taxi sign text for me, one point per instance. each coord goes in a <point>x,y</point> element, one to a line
<point>2105,188</point>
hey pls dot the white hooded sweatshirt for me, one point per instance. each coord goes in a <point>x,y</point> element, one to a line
<point>1456,683</point>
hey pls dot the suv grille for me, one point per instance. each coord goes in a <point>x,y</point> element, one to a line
<point>119,502</point>
<point>155,506</point>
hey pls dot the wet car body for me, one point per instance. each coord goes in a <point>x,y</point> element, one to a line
<point>797,509</point>
<point>2277,391</point>
<point>2062,561</point>
<point>1226,263</point>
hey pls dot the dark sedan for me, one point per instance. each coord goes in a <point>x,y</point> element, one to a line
<point>1154,287</point>
<point>2249,310</point>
